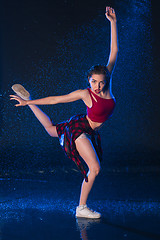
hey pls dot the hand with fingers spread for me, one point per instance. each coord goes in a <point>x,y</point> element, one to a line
<point>20,100</point>
<point>110,14</point>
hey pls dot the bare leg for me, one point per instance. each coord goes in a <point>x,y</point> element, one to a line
<point>86,188</point>
<point>44,120</point>
<point>87,152</point>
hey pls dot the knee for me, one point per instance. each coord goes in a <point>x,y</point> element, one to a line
<point>95,170</point>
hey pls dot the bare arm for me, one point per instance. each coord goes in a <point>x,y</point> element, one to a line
<point>111,16</point>
<point>71,97</point>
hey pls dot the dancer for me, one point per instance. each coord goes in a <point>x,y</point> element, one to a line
<point>79,135</point>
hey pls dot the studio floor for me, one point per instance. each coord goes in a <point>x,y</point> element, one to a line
<point>43,207</point>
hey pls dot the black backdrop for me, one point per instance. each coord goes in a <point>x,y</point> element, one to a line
<point>48,46</point>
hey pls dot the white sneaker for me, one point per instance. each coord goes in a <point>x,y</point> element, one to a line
<point>85,212</point>
<point>21,91</point>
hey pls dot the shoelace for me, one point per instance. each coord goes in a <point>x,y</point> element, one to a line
<point>90,210</point>
<point>85,206</point>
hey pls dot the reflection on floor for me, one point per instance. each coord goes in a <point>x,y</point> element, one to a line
<point>44,208</point>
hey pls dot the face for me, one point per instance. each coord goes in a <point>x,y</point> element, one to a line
<point>97,82</point>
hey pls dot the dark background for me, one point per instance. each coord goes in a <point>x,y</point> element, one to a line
<point>48,46</point>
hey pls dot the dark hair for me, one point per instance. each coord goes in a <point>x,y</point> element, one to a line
<point>100,69</point>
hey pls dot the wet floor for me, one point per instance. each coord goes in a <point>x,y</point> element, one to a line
<point>43,207</point>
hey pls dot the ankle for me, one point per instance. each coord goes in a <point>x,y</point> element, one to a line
<point>82,204</point>
<point>80,207</point>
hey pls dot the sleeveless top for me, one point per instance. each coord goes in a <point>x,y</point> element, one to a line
<point>101,109</point>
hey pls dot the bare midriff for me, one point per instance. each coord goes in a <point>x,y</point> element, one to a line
<point>94,125</point>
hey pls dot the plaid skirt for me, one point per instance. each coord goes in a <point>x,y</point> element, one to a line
<point>69,131</point>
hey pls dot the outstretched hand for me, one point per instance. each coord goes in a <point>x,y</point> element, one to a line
<point>20,100</point>
<point>110,14</point>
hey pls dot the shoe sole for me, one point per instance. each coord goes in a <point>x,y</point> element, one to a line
<point>21,91</point>
<point>80,216</point>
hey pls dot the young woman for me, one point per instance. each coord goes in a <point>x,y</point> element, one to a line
<point>79,135</point>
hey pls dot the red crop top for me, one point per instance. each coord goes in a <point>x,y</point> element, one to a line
<point>101,109</point>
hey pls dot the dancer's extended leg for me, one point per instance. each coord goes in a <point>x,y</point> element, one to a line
<point>40,115</point>
<point>44,120</point>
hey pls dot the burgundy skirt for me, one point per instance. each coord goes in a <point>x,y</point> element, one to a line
<point>69,131</point>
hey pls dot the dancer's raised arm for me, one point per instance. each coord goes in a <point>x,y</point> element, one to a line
<point>71,97</point>
<point>111,16</point>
